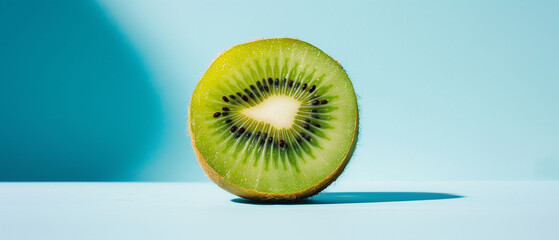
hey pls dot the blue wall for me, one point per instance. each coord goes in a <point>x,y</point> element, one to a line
<point>448,90</point>
<point>77,102</point>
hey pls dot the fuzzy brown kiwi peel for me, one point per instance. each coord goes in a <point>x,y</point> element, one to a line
<point>274,120</point>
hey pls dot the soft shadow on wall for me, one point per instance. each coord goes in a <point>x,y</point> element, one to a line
<point>77,102</point>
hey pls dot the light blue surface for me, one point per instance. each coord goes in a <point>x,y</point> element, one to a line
<point>388,210</point>
<point>448,90</point>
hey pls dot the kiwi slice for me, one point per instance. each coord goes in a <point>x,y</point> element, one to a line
<point>274,120</point>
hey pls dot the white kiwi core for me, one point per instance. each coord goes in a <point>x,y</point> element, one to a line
<point>279,111</point>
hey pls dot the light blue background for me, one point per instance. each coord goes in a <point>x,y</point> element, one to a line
<point>447,90</point>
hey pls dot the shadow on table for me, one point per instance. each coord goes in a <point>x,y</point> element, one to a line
<point>363,197</point>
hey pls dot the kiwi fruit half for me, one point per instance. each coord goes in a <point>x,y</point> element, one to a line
<point>274,120</point>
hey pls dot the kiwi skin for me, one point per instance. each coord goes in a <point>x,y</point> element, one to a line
<point>274,197</point>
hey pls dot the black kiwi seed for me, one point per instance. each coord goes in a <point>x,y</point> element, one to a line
<point>262,142</point>
<point>297,84</point>
<point>306,126</point>
<point>306,137</point>
<point>315,102</point>
<point>248,134</point>
<point>252,87</point>
<point>284,81</point>
<point>225,108</point>
<point>313,110</point>
<point>316,116</point>
<point>241,130</point>
<point>277,82</point>
<point>232,97</point>
<point>323,101</point>
<point>307,120</point>
<point>237,135</point>
<point>249,93</point>
<point>264,136</point>
<point>282,143</point>
<point>312,88</point>
<point>225,99</point>
<point>257,135</point>
<point>245,98</point>
<point>304,86</point>
<point>233,129</point>
<point>217,114</point>
<point>260,86</point>
<point>267,88</point>
<point>290,84</point>
<point>298,139</point>
<point>239,94</point>
<point>224,113</point>
<point>270,81</point>
<point>228,121</point>
<point>270,139</point>
<point>315,96</point>
<point>317,125</point>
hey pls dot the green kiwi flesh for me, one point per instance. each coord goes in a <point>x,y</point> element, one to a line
<point>274,120</point>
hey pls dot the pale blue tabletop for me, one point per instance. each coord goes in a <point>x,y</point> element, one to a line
<point>381,210</point>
